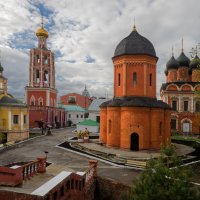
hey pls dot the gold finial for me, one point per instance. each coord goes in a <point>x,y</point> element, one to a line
<point>182,45</point>
<point>172,51</point>
<point>134,27</point>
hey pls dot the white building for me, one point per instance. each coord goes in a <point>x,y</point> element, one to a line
<point>94,110</point>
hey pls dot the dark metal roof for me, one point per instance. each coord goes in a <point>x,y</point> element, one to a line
<point>180,83</point>
<point>132,101</point>
<point>183,60</point>
<point>172,63</point>
<point>135,44</point>
<point>10,101</point>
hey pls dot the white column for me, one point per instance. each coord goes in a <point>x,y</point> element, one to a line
<point>9,120</point>
<point>22,120</point>
<point>192,104</point>
<point>179,104</point>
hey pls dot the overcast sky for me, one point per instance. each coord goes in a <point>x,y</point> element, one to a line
<point>83,34</point>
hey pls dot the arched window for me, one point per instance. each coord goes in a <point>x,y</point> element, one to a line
<point>134,79</point>
<point>45,60</point>
<point>32,101</point>
<point>40,101</point>
<point>37,76</point>
<point>46,76</point>
<point>197,106</point>
<point>119,79</point>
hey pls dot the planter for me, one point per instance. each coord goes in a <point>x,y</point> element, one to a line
<point>86,138</point>
<point>80,139</point>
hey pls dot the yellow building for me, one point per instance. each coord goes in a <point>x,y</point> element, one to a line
<point>14,125</point>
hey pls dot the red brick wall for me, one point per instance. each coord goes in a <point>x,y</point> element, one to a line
<point>81,100</point>
<point>143,66</point>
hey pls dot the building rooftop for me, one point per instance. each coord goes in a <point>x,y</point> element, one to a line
<point>94,106</point>
<point>72,108</point>
<point>89,122</point>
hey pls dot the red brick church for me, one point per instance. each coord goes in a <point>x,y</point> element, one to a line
<point>181,92</point>
<point>41,92</point>
<point>134,119</point>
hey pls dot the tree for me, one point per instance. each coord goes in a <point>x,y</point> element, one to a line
<point>159,182</point>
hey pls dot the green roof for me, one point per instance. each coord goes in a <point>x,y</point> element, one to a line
<point>89,122</point>
<point>72,108</point>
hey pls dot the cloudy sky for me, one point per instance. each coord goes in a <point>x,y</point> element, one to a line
<point>83,34</point>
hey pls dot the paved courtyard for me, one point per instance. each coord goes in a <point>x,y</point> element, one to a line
<point>31,149</point>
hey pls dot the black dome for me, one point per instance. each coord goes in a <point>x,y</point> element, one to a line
<point>172,63</point>
<point>183,60</point>
<point>194,63</point>
<point>135,44</point>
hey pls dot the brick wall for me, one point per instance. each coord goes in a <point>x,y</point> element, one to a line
<point>107,189</point>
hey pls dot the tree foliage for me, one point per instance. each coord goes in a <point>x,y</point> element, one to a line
<point>159,182</point>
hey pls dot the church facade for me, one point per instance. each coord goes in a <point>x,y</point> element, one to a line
<point>14,124</point>
<point>134,119</point>
<point>41,92</point>
<point>181,92</point>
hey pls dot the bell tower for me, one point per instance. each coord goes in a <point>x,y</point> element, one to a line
<point>41,89</point>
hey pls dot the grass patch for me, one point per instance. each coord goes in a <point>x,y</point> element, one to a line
<point>185,138</point>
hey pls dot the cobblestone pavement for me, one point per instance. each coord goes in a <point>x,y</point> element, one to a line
<point>31,149</point>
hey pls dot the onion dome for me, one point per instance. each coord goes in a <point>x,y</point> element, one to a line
<point>42,32</point>
<point>183,60</point>
<point>195,63</point>
<point>172,63</point>
<point>135,44</point>
<point>85,92</point>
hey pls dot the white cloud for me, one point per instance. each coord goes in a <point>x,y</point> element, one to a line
<point>79,29</point>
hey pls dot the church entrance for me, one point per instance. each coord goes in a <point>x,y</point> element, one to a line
<point>134,142</point>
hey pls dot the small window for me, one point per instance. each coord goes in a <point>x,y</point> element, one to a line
<point>15,119</point>
<point>150,79</point>
<point>197,106</point>
<point>134,79</point>
<point>174,105</point>
<point>68,185</point>
<point>37,76</point>
<point>77,116</point>
<point>71,99</point>
<point>62,191</point>
<point>185,105</point>
<point>72,184</point>
<point>69,115</point>
<point>45,60</point>
<point>109,126</point>
<point>81,116</point>
<point>160,128</point>
<point>173,124</point>
<point>24,119</point>
<point>119,79</point>
<point>55,195</point>
<point>46,76</point>
<point>98,119</point>
<point>76,184</point>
